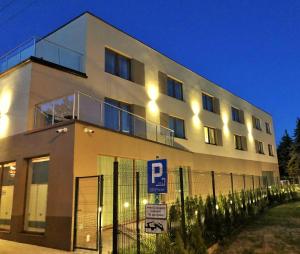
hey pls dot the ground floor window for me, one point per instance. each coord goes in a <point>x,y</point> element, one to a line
<point>7,172</point>
<point>36,195</point>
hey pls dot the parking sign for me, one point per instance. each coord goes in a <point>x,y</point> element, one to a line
<point>157,176</point>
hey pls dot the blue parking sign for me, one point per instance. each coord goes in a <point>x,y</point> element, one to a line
<point>157,176</point>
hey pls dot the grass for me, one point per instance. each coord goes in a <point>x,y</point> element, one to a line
<point>276,231</point>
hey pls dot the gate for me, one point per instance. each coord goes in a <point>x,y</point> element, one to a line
<point>88,211</point>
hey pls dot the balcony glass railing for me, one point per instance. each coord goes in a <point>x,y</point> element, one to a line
<point>92,110</point>
<point>43,49</point>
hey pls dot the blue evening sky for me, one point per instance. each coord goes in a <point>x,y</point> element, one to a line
<point>251,48</point>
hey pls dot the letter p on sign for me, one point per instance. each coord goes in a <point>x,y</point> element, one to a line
<point>154,169</point>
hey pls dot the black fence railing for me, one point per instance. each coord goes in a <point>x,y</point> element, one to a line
<point>206,199</point>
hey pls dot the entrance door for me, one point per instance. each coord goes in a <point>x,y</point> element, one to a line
<point>87,224</point>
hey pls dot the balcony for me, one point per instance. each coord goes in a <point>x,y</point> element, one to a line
<point>86,108</point>
<point>43,49</point>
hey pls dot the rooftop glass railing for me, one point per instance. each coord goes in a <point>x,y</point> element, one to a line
<point>92,110</point>
<point>43,49</point>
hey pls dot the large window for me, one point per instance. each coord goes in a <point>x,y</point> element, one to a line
<point>240,142</point>
<point>177,125</point>
<point>117,64</point>
<point>36,196</point>
<point>259,146</point>
<point>8,172</point>
<point>210,136</point>
<point>256,123</point>
<point>117,116</point>
<point>237,115</point>
<point>174,88</point>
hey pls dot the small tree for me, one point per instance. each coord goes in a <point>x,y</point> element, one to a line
<point>284,153</point>
<point>294,162</point>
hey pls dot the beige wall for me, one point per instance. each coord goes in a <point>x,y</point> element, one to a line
<point>14,99</point>
<point>106,142</point>
<point>59,213</point>
<point>101,35</point>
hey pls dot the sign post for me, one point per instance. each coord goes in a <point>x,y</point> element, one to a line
<point>156,214</point>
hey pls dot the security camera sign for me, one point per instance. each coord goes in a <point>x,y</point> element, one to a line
<point>157,176</point>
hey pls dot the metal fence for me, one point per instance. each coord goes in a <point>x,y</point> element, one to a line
<point>121,198</point>
<point>89,109</point>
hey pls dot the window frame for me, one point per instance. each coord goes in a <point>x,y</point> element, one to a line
<point>205,102</point>
<point>118,107</point>
<point>26,219</point>
<point>1,185</point>
<point>117,57</point>
<point>175,119</point>
<point>268,128</point>
<point>237,147</point>
<point>209,136</point>
<point>175,83</point>
<point>255,125</point>
<point>271,150</point>
<point>259,147</point>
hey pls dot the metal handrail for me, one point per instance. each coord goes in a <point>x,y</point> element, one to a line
<point>74,113</point>
<point>106,103</point>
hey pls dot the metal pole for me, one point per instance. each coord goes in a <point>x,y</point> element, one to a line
<point>182,206</point>
<point>137,203</point>
<point>253,182</point>
<point>100,197</point>
<point>244,180</point>
<point>231,179</point>
<point>213,188</point>
<point>115,207</point>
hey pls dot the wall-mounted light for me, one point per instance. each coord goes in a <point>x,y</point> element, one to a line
<point>88,130</point>
<point>249,128</point>
<point>62,130</point>
<point>196,110</point>
<point>126,205</point>
<point>153,94</point>
<point>12,171</point>
<point>225,120</point>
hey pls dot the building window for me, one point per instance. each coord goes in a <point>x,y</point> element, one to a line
<point>259,146</point>
<point>268,128</point>
<point>210,136</point>
<point>36,195</point>
<point>210,103</point>
<point>240,142</point>
<point>8,172</point>
<point>177,125</point>
<point>256,123</point>
<point>118,116</point>
<point>207,102</point>
<point>270,148</point>
<point>237,115</point>
<point>174,88</point>
<point>117,64</point>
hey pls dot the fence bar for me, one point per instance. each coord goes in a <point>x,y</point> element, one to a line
<point>182,206</point>
<point>137,203</point>
<point>231,180</point>
<point>100,201</point>
<point>213,187</point>
<point>115,207</point>
<point>253,182</point>
<point>244,180</point>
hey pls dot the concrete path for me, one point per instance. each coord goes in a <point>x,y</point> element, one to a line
<point>9,247</point>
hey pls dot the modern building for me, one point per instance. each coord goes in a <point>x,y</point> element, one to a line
<point>87,94</point>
